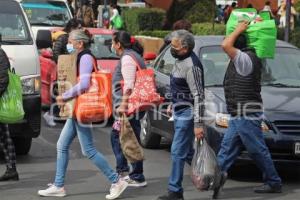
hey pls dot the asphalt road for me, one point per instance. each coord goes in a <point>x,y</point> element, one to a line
<point>84,182</point>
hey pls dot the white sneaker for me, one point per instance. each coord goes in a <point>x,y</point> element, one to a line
<point>49,119</point>
<point>53,191</point>
<point>134,183</point>
<point>117,189</point>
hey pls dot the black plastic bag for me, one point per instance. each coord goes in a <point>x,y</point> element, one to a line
<point>205,170</point>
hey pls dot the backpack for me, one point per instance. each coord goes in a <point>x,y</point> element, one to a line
<point>4,66</point>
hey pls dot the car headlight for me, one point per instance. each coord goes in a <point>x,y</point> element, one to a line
<point>31,84</point>
<point>222,120</point>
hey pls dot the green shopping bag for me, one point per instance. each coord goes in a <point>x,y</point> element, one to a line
<point>118,22</point>
<point>11,102</point>
<point>260,35</point>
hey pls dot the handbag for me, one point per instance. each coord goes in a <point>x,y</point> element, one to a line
<point>130,146</point>
<point>95,104</point>
<point>11,102</point>
<point>144,95</point>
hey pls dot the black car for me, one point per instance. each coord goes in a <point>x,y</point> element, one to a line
<point>280,93</point>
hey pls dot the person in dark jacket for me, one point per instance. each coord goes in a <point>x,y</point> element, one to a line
<point>6,143</point>
<point>187,108</point>
<point>242,86</point>
<point>60,44</point>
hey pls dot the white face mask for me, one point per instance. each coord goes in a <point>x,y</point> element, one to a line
<point>113,50</point>
<point>70,48</point>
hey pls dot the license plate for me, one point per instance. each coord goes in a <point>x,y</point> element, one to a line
<point>297,148</point>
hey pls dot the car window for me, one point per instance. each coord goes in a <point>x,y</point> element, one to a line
<point>165,64</point>
<point>215,63</point>
<point>46,13</point>
<point>101,47</point>
<point>282,71</point>
<point>13,27</point>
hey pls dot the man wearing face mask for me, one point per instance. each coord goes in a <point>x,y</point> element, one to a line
<point>187,88</point>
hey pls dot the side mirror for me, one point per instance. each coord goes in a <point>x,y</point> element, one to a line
<point>149,56</point>
<point>43,39</point>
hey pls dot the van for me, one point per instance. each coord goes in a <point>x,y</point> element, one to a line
<point>46,14</point>
<point>21,48</point>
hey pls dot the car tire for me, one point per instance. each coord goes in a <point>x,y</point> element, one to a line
<point>22,145</point>
<point>149,139</point>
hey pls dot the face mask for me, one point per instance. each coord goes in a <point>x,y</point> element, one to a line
<point>70,48</point>
<point>113,50</point>
<point>175,54</point>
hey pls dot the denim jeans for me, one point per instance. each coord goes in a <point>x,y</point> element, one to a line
<point>182,147</point>
<point>247,132</point>
<point>122,164</point>
<point>84,133</point>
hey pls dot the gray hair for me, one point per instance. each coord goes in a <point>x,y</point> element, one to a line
<point>80,35</point>
<point>186,38</point>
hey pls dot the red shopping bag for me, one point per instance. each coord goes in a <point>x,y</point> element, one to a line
<point>144,95</point>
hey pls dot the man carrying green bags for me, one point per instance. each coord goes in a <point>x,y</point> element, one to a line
<point>6,142</point>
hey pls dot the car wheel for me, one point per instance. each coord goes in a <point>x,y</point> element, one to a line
<point>22,145</point>
<point>148,138</point>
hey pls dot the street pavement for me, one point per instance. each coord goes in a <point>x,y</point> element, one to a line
<point>85,182</point>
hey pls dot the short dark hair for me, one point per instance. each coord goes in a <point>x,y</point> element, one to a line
<point>241,42</point>
<point>182,24</point>
<point>233,4</point>
<point>72,24</point>
<point>268,3</point>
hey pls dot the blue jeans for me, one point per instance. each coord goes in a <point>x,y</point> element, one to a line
<point>182,147</point>
<point>247,132</point>
<point>69,132</point>
<point>122,164</point>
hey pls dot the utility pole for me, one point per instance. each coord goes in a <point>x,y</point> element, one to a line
<point>288,20</point>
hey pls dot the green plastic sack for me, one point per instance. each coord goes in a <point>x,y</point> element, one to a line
<point>118,22</point>
<point>11,102</point>
<point>260,35</point>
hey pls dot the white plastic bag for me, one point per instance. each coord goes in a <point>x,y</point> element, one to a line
<point>205,170</point>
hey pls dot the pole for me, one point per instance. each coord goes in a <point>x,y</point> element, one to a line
<point>288,20</point>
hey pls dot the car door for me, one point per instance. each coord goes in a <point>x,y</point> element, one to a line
<point>163,68</point>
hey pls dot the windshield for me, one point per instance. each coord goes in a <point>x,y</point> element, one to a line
<point>13,27</point>
<point>282,71</point>
<point>47,13</point>
<point>101,48</point>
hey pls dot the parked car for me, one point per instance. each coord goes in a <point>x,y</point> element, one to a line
<point>19,44</point>
<point>46,14</point>
<point>280,93</point>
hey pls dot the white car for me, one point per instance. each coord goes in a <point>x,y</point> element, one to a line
<point>46,14</point>
<point>21,48</point>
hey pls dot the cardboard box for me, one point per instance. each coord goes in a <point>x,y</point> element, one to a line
<point>150,44</point>
<point>66,79</point>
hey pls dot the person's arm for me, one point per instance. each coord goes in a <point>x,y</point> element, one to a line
<point>128,69</point>
<point>196,85</point>
<point>85,71</point>
<point>228,43</point>
<point>243,63</point>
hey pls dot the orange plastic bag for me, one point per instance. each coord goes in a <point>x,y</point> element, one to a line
<point>95,104</point>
